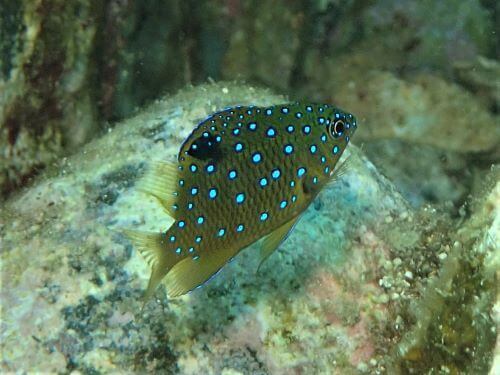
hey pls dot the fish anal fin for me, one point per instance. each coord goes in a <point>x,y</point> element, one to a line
<point>161,181</point>
<point>192,272</point>
<point>274,239</point>
<point>153,247</point>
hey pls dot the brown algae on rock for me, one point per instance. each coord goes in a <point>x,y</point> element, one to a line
<point>352,295</point>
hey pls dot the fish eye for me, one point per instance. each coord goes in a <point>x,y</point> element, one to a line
<point>337,128</point>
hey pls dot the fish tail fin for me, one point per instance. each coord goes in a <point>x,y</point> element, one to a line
<point>152,247</point>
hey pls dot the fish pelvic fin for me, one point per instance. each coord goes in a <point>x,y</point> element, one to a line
<point>153,248</point>
<point>160,181</point>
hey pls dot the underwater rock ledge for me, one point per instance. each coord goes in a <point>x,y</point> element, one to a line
<point>351,289</point>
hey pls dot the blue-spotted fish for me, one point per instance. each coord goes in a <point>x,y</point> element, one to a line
<point>244,173</point>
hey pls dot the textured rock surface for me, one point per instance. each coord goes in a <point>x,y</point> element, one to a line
<point>45,101</point>
<point>347,291</point>
<point>67,68</point>
<point>424,110</point>
<point>426,174</point>
<point>481,77</point>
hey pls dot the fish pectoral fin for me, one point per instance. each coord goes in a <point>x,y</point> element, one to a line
<point>160,181</point>
<point>192,272</point>
<point>274,239</point>
<point>152,247</point>
<point>340,170</point>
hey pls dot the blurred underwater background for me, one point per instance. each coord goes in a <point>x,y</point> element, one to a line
<point>393,269</point>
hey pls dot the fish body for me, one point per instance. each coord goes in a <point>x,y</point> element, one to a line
<point>244,173</point>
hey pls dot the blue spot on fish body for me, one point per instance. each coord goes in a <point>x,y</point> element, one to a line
<point>256,158</point>
<point>212,193</point>
<point>271,132</point>
<point>240,198</point>
<point>238,147</point>
<point>288,149</point>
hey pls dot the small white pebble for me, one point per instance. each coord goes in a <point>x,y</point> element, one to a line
<point>225,90</point>
<point>373,362</point>
<point>442,256</point>
<point>409,275</point>
<point>397,262</point>
<point>394,296</point>
<point>445,369</point>
<point>388,219</point>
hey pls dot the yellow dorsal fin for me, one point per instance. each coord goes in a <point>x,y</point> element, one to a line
<point>273,240</point>
<point>153,247</point>
<point>192,272</point>
<point>161,182</point>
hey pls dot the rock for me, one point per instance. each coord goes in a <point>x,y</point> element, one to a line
<point>257,28</point>
<point>71,283</point>
<point>453,305</point>
<point>481,77</point>
<point>424,110</point>
<point>426,174</point>
<point>46,101</point>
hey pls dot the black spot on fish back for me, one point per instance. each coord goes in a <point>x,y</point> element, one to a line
<point>206,148</point>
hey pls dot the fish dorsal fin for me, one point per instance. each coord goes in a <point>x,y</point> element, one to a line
<point>161,181</point>
<point>273,240</point>
<point>153,248</point>
<point>192,272</point>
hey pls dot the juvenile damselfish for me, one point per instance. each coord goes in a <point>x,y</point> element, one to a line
<point>244,173</point>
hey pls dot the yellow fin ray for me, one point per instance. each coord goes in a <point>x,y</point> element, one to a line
<point>161,181</point>
<point>190,273</point>
<point>273,240</point>
<point>152,247</point>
